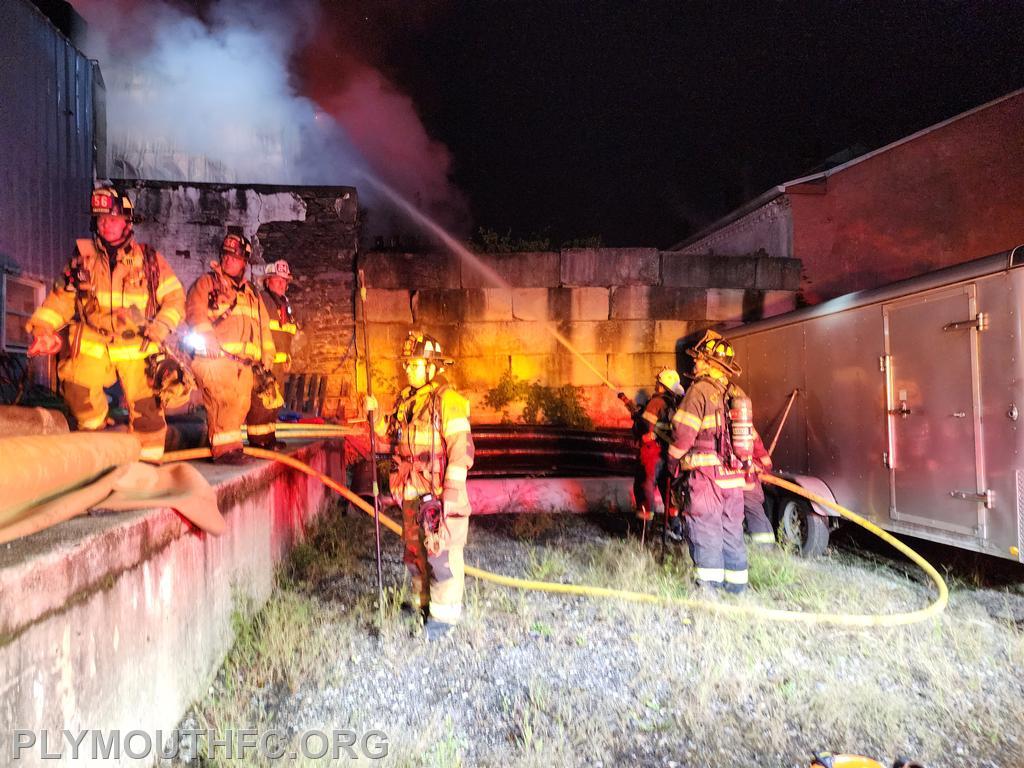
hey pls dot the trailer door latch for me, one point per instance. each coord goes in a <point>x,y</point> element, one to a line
<point>980,323</point>
<point>988,498</point>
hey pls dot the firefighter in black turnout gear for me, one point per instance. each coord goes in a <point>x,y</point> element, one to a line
<point>704,447</point>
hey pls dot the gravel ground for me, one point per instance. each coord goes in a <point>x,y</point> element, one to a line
<point>536,679</point>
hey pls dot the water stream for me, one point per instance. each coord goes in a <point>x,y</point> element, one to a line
<point>473,261</point>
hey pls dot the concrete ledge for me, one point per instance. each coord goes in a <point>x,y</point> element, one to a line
<point>610,266</point>
<point>557,494</point>
<point>120,621</point>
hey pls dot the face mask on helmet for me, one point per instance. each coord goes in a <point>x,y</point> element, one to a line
<point>172,382</point>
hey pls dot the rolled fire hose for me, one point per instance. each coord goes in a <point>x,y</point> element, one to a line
<point>39,468</point>
<point>735,610</point>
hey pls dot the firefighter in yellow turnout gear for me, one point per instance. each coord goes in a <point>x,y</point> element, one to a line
<point>121,300</point>
<point>702,447</point>
<point>232,346</point>
<point>261,419</point>
<point>432,450</point>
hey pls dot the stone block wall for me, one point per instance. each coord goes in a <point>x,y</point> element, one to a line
<point>626,311</point>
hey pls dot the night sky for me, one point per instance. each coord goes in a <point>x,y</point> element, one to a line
<point>643,122</point>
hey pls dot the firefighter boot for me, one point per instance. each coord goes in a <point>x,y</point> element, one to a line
<point>232,458</point>
<point>435,630</point>
<point>413,608</point>
<point>675,529</point>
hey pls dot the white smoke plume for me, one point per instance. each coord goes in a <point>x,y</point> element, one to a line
<point>211,96</point>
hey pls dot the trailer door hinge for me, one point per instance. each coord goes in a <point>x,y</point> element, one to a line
<point>988,498</point>
<point>883,363</point>
<point>980,323</point>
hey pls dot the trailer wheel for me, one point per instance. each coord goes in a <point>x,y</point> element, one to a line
<point>802,528</point>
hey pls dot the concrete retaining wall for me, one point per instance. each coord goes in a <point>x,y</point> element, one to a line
<point>120,621</point>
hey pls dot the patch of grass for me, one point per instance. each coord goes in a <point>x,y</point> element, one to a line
<point>772,570</point>
<point>621,564</point>
<point>542,629</point>
<point>547,564</point>
<point>630,684</point>
<point>324,551</point>
<point>533,526</point>
<point>447,751</point>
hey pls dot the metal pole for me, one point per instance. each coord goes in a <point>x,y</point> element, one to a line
<point>667,501</point>
<point>782,423</point>
<point>371,418</point>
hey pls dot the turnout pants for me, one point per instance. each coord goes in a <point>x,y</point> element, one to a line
<point>438,580</point>
<point>260,420</point>
<point>652,481</point>
<point>758,525</point>
<point>84,378</point>
<point>714,521</point>
<point>226,386</point>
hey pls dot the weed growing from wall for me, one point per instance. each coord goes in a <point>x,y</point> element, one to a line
<point>560,406</point>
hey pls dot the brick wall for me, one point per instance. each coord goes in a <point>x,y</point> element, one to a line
<point>627,311</point>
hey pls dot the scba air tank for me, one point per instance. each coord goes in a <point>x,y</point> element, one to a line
<point>741,427</point>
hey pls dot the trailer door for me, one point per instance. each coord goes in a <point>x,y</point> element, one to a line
<point>934,414</point>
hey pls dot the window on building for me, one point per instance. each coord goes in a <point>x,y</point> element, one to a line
<point>19,298</point>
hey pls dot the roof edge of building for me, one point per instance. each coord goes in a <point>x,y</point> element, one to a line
<point>224,186</point>
<point>781,189</point>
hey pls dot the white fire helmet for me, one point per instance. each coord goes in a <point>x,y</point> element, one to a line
<point>277,268</point>
<point>669,379</point>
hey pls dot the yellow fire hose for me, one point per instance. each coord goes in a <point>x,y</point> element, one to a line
<point>723,608</point>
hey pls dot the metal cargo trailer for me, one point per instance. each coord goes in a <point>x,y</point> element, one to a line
<point>909,405</point>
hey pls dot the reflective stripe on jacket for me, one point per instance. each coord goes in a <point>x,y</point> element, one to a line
<point>282,325</point>
<point>700,433</point>
<point>110,310</point>
<point>656,419</point>
<point>432,444</point>
<point>239,320</point>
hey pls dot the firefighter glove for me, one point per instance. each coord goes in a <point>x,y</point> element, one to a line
<point>44,344</point>
<point>156,332</point>
<point>431,518</point>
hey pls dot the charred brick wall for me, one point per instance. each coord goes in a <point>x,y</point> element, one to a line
<point>315,229</point>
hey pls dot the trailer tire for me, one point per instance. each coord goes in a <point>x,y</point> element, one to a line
<point>802,528</point>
